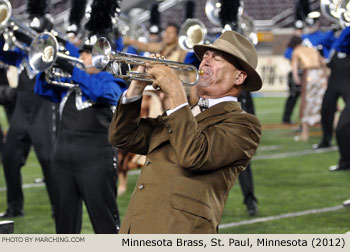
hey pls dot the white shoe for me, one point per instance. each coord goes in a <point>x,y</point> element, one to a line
<point>346,203</point>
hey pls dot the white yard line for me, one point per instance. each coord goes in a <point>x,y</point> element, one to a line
<point>269,147</point>
<point>281,216</point>
<point>295,154</point>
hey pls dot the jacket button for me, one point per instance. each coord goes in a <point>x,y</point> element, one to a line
<point>147,162</point>
<point>166,125</point>
<point>170,131</point>
<point>141,187</point>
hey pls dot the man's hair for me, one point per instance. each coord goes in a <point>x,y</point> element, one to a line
<point>294,41</point>
<point>232,60</point>
<point>176,27</point>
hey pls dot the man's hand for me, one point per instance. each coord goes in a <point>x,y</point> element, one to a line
<point>168,81</point>
<point>136,87</point>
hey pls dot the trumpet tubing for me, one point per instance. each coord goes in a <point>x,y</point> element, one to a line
<point>102,55</point>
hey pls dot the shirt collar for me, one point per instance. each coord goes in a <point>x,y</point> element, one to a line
<point>215,101</point>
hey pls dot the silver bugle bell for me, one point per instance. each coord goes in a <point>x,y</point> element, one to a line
<point>192,32</point>
<point>344,13</point>
<point>102,55</point>
<point>9,24</point>
<point>43,53</point>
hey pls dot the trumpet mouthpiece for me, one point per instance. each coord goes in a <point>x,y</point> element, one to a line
<point>201,72</point>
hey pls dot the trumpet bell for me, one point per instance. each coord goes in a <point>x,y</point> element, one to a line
<point>192,32</point>
<point>330,9</point>
<point>247,28</point>
<point>43,51</point>
<point>212,9</point>
<point>101,52</point>
<point>344,13</point>
<point>5,12</point>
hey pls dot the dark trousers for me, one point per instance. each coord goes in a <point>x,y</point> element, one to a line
<point>84,169</point>
<point>294,93</point>
<point>246,182</point>
<point>328,109</point>
<point>246,177</point>
<point>343,137</point>
<point>338,85</point>
<point>31,125</point>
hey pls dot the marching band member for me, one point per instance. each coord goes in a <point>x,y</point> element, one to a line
<point>31,123</point>
<point>84,164</point>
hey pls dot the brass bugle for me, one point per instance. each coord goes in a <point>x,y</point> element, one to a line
<point>102,55</point>
<point>43,53</point>
<point>9,24</point>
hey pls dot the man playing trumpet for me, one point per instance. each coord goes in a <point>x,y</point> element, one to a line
<point>192,161</point>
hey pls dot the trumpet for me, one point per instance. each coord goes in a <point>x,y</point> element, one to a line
<point>192,32</point>
<point>102,55</point>
<point>9,25</point>
<point>344,13</point>
<point>43,53</point>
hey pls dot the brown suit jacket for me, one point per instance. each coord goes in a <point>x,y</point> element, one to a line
<point>191,165</point>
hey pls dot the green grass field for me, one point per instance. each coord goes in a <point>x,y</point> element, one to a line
<point>299,181</point>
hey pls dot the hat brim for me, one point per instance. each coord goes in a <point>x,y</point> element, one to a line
<point>253,81</point>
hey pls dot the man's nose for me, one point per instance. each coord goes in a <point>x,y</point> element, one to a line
<point>206,61</point>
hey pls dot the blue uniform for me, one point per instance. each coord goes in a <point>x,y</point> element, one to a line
<point>84,164</point>
<point>325,39</point>
<point>102,87</point>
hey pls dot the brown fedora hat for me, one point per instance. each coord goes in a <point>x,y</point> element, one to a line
<point>242,50</point>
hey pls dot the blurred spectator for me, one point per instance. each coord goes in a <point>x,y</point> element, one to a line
<point>313,84</point>
<point>167,48</point>
<point>294,89</point>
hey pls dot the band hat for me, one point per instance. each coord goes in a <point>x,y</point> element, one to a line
<point>242,51</point>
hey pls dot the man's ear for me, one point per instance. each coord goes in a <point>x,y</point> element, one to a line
<point>240,78</point>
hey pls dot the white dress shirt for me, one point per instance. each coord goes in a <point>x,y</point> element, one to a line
<point>212,102</point>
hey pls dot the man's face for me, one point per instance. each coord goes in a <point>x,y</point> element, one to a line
<point>220,76</point>
<point>170,35</point>
<point>86,57</point>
